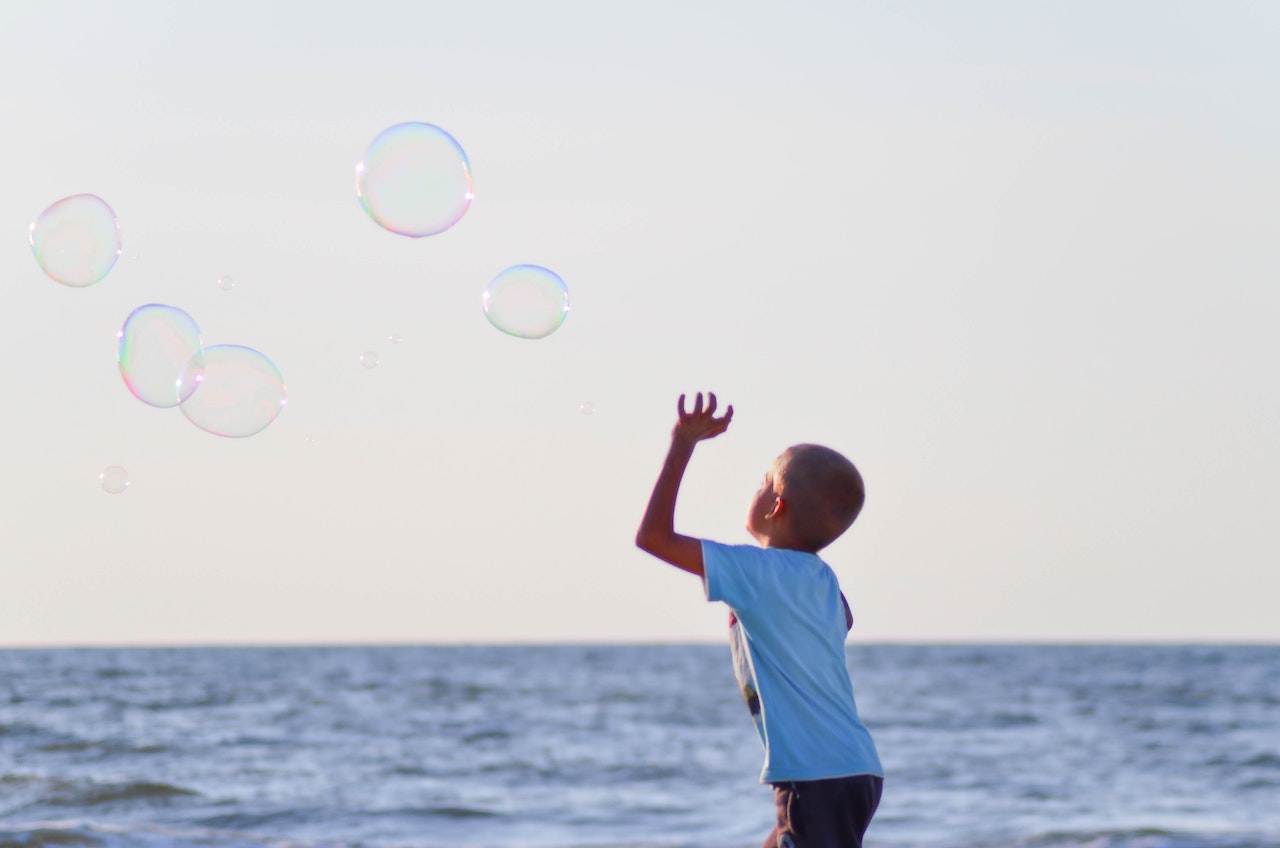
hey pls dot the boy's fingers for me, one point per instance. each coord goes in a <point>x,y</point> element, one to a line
<point>698,410</point>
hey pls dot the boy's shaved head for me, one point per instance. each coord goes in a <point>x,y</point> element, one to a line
<point>823,489</point>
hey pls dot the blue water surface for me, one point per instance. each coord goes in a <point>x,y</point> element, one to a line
<point>626,747</point>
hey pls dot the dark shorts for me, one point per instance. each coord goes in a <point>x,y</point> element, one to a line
<point>830,813</point>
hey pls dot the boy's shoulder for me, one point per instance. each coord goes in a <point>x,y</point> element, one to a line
<point>763,554</point>
<point>752,562</point>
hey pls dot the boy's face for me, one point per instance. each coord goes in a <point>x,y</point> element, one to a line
<point>763,505</point>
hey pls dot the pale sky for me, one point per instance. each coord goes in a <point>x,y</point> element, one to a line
<point>1016,259</point>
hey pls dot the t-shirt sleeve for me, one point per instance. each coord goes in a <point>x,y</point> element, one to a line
<point>732,573</point>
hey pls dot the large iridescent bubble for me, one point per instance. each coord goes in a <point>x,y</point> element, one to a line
<point>76,241</point>
<point>527,301</point>
<point>234,391</point>
<point>154,347</point>
<point>415,180</point>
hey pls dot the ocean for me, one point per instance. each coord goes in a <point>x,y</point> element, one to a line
<point>625,747</point>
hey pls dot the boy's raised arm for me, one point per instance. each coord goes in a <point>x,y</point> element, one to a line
<point>657,533</point>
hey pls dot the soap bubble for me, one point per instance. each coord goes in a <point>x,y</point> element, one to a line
<point>235,392</point>
<point>226,283</point>
<point>153,348</point>
<point>587,408</point>
<point>114,480</point>
<point>415,180</point>
<point>76,240</point>
<point>528,301</point>
<point>369,359</point>
<point>394,338</point>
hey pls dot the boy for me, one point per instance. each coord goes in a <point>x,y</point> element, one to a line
<point>788,621</point>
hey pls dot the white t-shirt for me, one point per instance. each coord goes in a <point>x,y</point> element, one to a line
<point>787,631</point>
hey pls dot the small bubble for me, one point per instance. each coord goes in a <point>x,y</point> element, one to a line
<point>587,408</point>
<point>369,359</point>
<point>226,283</point>
<point>310,439</point>
<point>527,301</point>
<point>394,338</point>
<point>114,480</point>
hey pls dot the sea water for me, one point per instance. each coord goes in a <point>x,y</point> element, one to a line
<point>638,746</point>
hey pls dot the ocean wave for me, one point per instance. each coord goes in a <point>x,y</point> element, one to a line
<point>110,793</point>
<point>989,721</point>
<point>113,673</point>
<point>1264,760</point>
<point>247,820</point>
<point>39,791</point>
<point>99,835</point>
<point>78,834</point>
<point>445,811</point>
<point>40,836</point>
<point>487,735</point>
<point>22,729</point>
<point>1143,838</point>
<point>104,747</point>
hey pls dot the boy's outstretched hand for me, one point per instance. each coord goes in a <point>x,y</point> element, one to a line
<point>657,533</point>
<point>700,423</point>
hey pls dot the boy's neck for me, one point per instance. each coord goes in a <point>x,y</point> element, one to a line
<point>784,543</point>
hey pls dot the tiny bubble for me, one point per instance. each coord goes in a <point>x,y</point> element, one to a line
<point>114,480</point>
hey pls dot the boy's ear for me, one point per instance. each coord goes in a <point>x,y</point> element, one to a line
<point>778,506</point>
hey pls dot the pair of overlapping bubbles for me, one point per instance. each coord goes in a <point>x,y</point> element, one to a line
<point>415,180</point>
<point>227,390</point>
